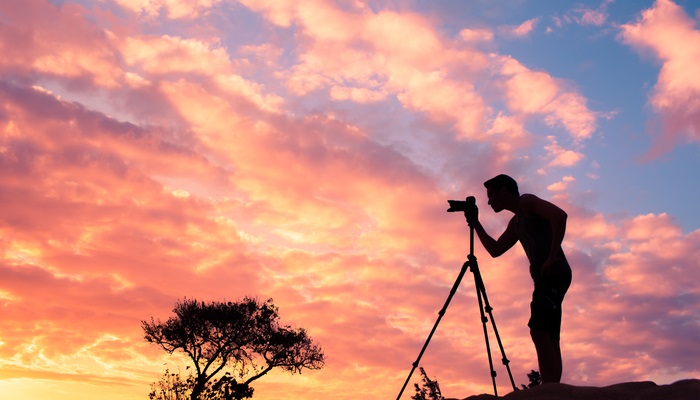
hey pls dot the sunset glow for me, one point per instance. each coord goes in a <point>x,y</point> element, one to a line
<point>304,150</point>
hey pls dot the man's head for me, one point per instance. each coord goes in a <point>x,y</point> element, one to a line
<point>501,191</point>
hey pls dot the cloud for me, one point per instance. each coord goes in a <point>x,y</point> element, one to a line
<point>537,92</point>
<point>561,157</point>
<point>561,185</point>
<point>278,12</point>
<point>520,31</point>
<point>511,133</point>
<point>63,44</point>
<point>166,55</point>
<point>667,33</point>
<point>583,16</point>
<point>586,16</point>
<point>656,252</point>
<point>622,263</point>
<point>359,95</point>
<point>342,54</point>
<point>476,35</point>
<point>173,9</point>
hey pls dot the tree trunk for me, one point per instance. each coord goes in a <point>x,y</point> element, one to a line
<point>198,387</point>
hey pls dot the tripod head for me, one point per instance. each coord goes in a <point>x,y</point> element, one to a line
<point>471,211</point>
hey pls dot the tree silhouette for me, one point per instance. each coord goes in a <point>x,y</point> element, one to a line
<point>430,389</point>
<point>230,344</point>
<point>535,379</point>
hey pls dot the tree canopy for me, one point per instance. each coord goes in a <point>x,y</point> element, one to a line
<point>231,344</point>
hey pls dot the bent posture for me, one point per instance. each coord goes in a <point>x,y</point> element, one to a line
<point>539,226</point>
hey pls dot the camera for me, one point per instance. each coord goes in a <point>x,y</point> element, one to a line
<point>468,206</point>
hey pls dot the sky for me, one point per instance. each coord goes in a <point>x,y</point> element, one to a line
<point>303,151</point>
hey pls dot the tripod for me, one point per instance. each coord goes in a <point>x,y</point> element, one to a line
<point>484,306</point>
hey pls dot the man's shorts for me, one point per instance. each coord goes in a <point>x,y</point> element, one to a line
<point>545,308</point>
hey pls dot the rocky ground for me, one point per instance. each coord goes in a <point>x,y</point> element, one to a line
<point>682,390</point>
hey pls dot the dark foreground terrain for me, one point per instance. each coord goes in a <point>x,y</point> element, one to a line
<point>688,389</point>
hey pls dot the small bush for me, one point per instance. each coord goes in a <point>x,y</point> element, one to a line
<point>430,389</point>
<point>535,379</point>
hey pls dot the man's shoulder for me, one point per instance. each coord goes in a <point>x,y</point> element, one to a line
<point>531,205</point>
<point>528,197</point>
<point>527,200</point>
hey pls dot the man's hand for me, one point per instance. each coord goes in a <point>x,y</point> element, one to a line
<point>472,216</point>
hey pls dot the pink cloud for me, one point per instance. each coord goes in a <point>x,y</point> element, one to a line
<point>667,33</point>
<point>561,157</point>
<point>167,55</point>
<point>561,185</point>
<point>535,92</point>
<point>344,47</point>
<point>585,16</point>
<point>347,53</point>
<point>570,110</point>
<point>476,35</point>
<point>358,95</point>
<point>641,289</point>
<point>279,12</point>
<point>63,44</point>
<point>511,133</point>
<point>521,30</point>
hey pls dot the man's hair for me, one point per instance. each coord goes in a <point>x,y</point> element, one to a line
<point>503,181</point>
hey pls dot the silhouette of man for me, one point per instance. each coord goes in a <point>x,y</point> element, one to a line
<point>540,227</point>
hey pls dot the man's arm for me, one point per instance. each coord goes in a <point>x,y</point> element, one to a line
<point>496,247</point>
<point>533,205</point>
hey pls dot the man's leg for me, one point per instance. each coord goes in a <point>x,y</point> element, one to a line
<point>560,364</point>
<point>548,355</point>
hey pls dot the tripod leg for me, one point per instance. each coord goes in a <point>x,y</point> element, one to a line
<point>440,314</point>
<point>482,291</point>
<point>505,359</point>
<point>484,320</point>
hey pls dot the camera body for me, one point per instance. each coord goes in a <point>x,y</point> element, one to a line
<point>467,206</point>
